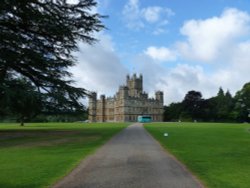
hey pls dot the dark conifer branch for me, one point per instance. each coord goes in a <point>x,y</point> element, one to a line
<point>37,41</point>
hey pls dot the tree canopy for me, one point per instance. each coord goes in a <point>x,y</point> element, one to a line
<point>192,104</point>
<point>243,103</point>
<point>37,38</point>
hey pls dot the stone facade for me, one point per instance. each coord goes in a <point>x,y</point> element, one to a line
<point>128,103</point>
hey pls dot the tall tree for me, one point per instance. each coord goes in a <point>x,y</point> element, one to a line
<point>37,38</point>
<point>192,104</point>
<point>220,105</point>
<point>242,105</point>
<point>230,102</point>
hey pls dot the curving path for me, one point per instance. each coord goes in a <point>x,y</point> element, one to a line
<point>131,159</point>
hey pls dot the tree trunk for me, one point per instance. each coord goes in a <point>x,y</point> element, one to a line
<point>21,121</point>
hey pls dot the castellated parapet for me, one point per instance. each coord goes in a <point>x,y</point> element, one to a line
<point>129,102</point>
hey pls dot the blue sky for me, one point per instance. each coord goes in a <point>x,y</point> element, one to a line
<point>177,45</point>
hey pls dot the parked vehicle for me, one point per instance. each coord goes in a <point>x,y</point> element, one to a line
<point>144,119</point>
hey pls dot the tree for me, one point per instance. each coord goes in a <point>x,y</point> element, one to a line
<point>172,112</point>
<point>206,111</point>
<point>221,93</point>
<point>242,105</point>
<point>221,106</point>
<point>37,41</point>
<point>230,102</point>
<point>192,104</point>
<point>21,99</point>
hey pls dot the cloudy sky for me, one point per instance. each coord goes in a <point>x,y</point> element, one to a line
<point>177,45</point>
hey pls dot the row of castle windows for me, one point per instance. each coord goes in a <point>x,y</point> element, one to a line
<point>120,102</point>
<point>121,118</point>
<point>111,111</point>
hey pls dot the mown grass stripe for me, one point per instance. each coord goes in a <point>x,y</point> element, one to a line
<point>219,154</point>
<point>40,157</point>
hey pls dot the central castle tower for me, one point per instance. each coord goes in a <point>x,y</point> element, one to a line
<point>134,85</point>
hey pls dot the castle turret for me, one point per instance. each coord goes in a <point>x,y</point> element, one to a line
<point>141,76</point>
<point>127,78</point>
<point>123,92</point>
<point>134,76</point>
<point>159,96</point>
<point>102,107</point>
<point>92,107</point>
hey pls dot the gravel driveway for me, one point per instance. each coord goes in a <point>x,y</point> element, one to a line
<point>131,159</point>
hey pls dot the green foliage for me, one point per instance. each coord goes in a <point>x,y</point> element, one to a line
<point>223,105</point>
<point>172,112</point>
<point>38,155</point>
<point>37,41</point>
<point>221,108</point>
<point>217,153</point>
<point>192,105</point>
<point>242,106</point>
<point>20,98</point>
<point>23,103</point>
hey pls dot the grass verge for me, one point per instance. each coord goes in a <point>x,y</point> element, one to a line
<point>39,154</point>
<point>219,154</point>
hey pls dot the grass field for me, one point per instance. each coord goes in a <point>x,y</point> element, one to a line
<point>37,155</point>
<point>219,154</point>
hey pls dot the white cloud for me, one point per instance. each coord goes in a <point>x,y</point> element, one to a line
<point>155,13</point>
<point>151,14</point>
<point>241,56</point>
<point>161,53</point>
<point>99,68</point>
<point>176,81</point>
<point>131,13</point>
<point>184,78</point>
<point>210,39</point>
<point>137,17</point>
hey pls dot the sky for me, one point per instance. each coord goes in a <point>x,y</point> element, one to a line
<point>176,45</point>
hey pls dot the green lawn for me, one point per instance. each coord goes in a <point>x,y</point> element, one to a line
<point>37,155</point>
<point>219,154</point>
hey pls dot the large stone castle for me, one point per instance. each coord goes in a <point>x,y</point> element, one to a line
<point>128,103</point>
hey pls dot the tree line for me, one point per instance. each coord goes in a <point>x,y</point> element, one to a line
<point>221,108</point>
